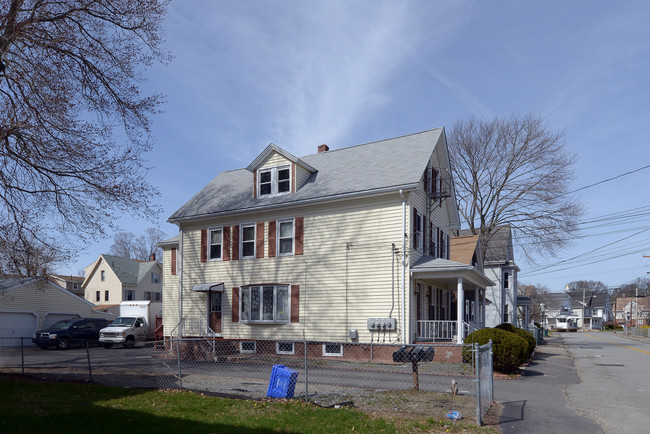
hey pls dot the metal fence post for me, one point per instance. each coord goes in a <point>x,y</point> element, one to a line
<point>22,356</point>
<point>178,359</point>
<point>306,375</point>
<point>477,367</point>
<point>491,365</point>
<point>90,368</point>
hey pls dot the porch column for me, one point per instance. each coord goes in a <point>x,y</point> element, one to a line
<point>527,317</point>
<point>460,307</point>
<point>484,292</point>
<point>477,310</point>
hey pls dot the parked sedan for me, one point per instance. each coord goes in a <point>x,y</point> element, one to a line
<point>75,331</point>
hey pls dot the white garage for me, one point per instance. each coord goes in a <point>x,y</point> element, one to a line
<point>14,325</point>
<point>27,305</point>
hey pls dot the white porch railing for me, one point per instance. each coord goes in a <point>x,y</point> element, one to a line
<point>437,330</point>
<point>445,330</point>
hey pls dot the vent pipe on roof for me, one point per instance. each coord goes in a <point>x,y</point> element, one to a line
<point>323,148</point>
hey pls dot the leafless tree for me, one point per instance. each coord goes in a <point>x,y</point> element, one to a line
<point>126,245</point>
<point>515,172</point>
<point>73,123</point>
<point>589,286</point>
<point>23,255</point>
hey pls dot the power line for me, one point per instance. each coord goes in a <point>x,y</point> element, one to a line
<point>608,179</point>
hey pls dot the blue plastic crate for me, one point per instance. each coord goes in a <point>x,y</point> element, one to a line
<point>283,382</point>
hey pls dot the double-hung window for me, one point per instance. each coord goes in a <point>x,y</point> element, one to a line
<point>418,231</point>
<point>155,277</point>
<point>129,294</point>
<point>273,181</point>
<point>285,237</point>
<point>265,304</point>
<point>215,243</point>
<point>248,241</point>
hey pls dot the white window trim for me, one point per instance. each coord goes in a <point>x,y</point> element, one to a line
<point>293,237</point>
<point>243,351</point>
<point>209,244</point>
<point>326,354</point>
<point>288,353</point>
<point>274,180</point>
<point>241,240</point>
<point>157,280</point>
<point>275,301</point>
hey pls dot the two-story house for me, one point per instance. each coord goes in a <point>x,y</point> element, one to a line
<point>111,279</point>
<point>346,245</point>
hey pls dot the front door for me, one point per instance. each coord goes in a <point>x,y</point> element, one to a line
<point>215,311</point>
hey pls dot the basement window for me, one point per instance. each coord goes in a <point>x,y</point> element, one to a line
<point>333,350</point>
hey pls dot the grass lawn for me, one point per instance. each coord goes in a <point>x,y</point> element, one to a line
<point>31,405</point>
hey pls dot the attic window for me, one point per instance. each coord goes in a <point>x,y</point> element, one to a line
<point>274,181</point>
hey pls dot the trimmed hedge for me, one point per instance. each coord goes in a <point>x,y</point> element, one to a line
<point>507,327</point>
<point>508,349</point>
<point>528,336</point>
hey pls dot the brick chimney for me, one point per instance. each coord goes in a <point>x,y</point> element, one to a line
<point>323,148</point>
<point>152,257</point>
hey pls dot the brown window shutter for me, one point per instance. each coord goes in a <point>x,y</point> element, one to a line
<point>259,240</point>
<point>293,178</point>
<point>272,241</point>
<point>235,243</point>
<point>235,304</point>
<point>204,245</point>
<point>295,303</point>
<point>173,261</point>
<point>225,248</point>
<point>255,185</point>
<point>300,228</point>
<point>426,180</point>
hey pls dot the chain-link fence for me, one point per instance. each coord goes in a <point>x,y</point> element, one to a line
<point>427,380</point>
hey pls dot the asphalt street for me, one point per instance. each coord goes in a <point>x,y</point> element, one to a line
<point>580,383</point>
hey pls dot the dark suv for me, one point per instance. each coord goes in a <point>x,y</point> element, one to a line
<point>74,331</point>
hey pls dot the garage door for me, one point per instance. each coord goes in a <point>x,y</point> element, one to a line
<point>51,318</point>
<point>14,325</point>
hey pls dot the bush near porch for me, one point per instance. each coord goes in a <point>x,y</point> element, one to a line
<point>508,349</point>
<point>522,333</point>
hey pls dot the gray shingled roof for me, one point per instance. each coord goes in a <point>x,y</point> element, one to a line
<point>499,248</point>
<point>373,167</point>
<point>129,271</point>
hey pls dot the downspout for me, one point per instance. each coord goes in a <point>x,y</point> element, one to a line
<point>401,193</point>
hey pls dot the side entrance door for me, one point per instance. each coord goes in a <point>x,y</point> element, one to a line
<point>215,311</point>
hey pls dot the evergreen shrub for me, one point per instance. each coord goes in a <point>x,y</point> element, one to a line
<point>508,349</point>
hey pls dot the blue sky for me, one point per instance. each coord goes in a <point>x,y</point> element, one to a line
<point>299,74</point>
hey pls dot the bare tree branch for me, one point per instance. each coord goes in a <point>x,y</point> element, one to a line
<point>73,123</point>
<point>515,172</point>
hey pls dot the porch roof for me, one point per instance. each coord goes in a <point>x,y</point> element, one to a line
<point>428,267</point>
<point>218,287</point>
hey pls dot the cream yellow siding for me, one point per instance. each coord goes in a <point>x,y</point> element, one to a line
<point>301,176</point>
<point>111,283</point>
<point>274,160</point>
<point>170,292</point>
<point>345,274</point>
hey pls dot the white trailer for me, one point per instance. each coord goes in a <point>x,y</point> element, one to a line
<point>136,323</point>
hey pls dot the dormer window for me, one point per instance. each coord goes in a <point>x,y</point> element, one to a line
<point>273,181</point>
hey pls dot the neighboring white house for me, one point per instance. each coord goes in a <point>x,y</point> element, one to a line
<point>348,245</point>
<point>588,310</point>
<point>31,304</point>
<point>500,267</point>
<point>111,279</point>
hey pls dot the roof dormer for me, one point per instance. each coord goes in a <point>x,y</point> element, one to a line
<point>276,171</point>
